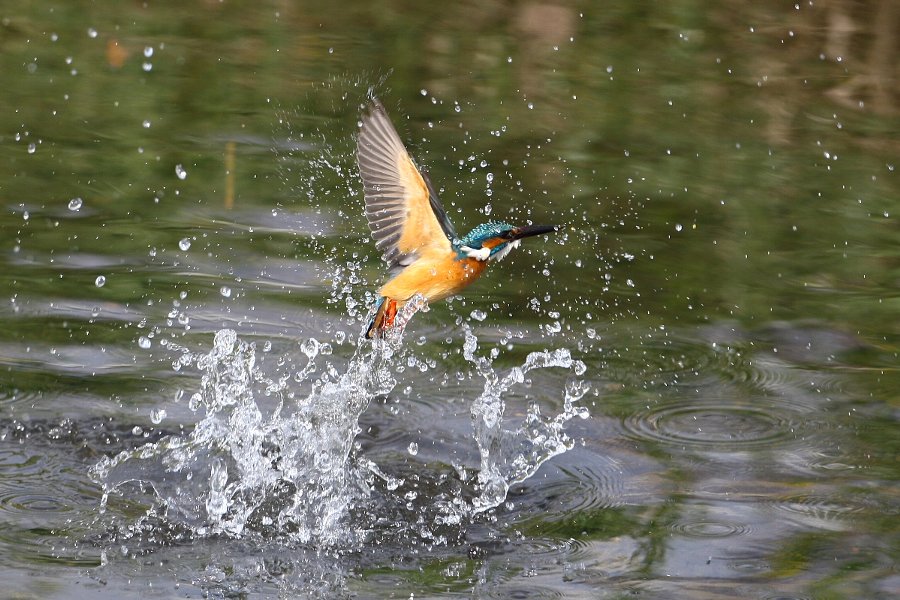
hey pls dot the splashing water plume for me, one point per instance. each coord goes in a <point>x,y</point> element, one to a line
<point>293,472</point>
<point>512,456</point>
<point>289,473</point>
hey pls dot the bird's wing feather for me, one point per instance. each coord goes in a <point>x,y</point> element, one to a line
<point>403,210</point>
<point>438,208</point>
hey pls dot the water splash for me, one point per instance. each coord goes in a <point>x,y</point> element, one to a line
<point>510,456</point>
<point>287,473</point>
<point>294,471</point>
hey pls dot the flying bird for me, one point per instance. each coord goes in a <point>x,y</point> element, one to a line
<point>411,227</point>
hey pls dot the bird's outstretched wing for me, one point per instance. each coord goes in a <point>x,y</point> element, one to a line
<point>403,210</point>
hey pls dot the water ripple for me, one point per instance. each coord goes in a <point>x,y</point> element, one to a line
<point>770,374</point>
<point>709,529</point>
<point>522,591</point>
<point>712,425</point>
<point>823,459</point>
<point>818,511</point>
<point>41,495</point>
<point>595,483</point>
<point>16,503</point>
<point>749,565</point>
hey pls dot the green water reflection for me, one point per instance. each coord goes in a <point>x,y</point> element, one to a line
<point>726,173</point>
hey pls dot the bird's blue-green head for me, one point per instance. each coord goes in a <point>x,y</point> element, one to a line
<point>495,239</point>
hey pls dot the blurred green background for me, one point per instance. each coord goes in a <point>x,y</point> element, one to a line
<point>743,155</point>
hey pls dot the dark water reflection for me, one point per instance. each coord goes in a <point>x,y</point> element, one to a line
<point>728,273</point>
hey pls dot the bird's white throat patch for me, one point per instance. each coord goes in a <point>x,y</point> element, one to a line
<point>483,254</point>
<point>476,253</point>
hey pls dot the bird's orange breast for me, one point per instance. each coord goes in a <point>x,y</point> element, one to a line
<point>435,275</point>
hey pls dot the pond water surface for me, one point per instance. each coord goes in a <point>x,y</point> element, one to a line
<point>690,391</point>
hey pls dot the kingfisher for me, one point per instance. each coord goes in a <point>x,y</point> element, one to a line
<point>411,227</point>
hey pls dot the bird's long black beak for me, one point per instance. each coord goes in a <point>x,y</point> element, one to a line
<point>529,230</point>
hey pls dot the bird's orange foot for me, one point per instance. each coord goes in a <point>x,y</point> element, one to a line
<point>384,318</point>
<point>390,313</point>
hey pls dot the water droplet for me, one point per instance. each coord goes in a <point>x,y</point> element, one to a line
<point>310,348</point>
<point>92,33</point>
<point>157,415</point>
<point>225,291</point>
<point>32,148</point>
<point>148,51</point>
<point>413,448</point>
<point>147,67</point>
<point>678,227</point>
<point>146,123</point>
<point>144,342</point>
<point>75,204</point>
<point>478,315</point>
<point>488,208</point>
<point>185,244</point>
<point>100,281</point>
<point>180,172</point>
<point>489,177</point>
